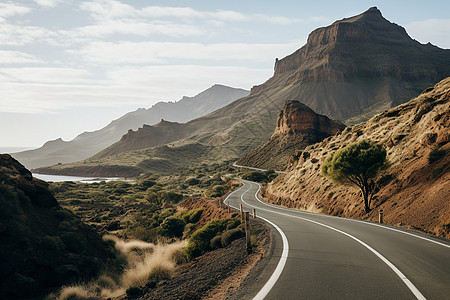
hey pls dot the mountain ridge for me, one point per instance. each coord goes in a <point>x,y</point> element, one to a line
<point>87,144</point>
<point>246,123</point>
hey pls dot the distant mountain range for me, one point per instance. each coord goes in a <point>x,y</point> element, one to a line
<point>89,143</point>
<point>348,71</point>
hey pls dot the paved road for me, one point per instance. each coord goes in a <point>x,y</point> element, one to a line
<point>324,257</point>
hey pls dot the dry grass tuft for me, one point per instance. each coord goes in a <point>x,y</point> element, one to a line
<point>146,262</point>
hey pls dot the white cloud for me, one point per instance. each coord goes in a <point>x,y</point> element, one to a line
<point>48,3</point>
<point>135,28</point>
<point>46,75</point>
<point>10,9</point>
<point>19,35</point>
<point>17,57</point>
<point>436,31</point>
<point>110,9</point>
<point>158,52</point>
<point>138,86</point>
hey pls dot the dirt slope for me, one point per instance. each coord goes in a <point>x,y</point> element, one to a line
<point>414,193</point>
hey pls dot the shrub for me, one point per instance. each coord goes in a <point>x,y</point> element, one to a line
<point>73,241</point>
<point>173,197</point>
<point>216,191</point>
<point>53,243</point>
<point>200,241</point>
<point>145,184</point>
<point>216,242</point>
<point>272,177</point>
<point>231,235</point>
<point>63,214</point>
<point>436,172</point>
<point>172,227</point>
<point>257,176</point>
<point>67,226</point>
<point>436,154</point>
<point>192,216</point>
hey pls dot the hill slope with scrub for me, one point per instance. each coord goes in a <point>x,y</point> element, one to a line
<point>413,191</point>
<point>42,245</point>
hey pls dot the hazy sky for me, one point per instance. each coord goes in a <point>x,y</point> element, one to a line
<point>70,66</point>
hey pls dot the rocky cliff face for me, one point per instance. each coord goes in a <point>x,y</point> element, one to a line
<point>42,246</point>
<point>297,127</point>
<point>414,191</point>
<point>380,48</point>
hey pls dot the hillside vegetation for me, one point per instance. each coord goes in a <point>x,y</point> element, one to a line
<point>413,191</point>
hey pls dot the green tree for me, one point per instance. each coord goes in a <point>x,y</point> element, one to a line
<point>357,164</point>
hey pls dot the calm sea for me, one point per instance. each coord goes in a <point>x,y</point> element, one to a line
<point>61,178</point>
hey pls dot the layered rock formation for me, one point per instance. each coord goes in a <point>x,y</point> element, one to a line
<point>414,191</point>
<point>297,127</point>
<point>42,246</point>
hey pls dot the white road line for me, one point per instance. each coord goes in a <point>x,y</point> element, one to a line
<point>284,254</point>
<point>348,219</point>
<point>407,282</point>
<point>279,269</point>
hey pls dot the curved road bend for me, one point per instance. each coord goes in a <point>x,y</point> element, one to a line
<point>336,258</point>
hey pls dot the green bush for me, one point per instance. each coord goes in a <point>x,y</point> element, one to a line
<point>231,235</point>
<point>193,216</point>
<point>53,243</point>
<point>172,197</point>
<point>436,154</point>
<point>217,191</point>
<point>67,226</point>
<point>172,227</point>
<point>165,213</point>
<point>73,241</point>
<point>272,177</point>
<point>216,242</point>
<point>200,241</point>
<point>233,223</point>
<point>436,172</point>
<point>257,176</point>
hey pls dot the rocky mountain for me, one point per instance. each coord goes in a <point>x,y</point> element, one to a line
<point>297,127</point>
<point>89,143</point>
<point>348,71</point>
<point>42,246</point>
<point>414,190</point>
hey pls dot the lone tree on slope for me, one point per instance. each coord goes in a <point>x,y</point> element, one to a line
<point>357,164</point>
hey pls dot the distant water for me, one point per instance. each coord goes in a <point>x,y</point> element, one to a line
<point>61,178</point>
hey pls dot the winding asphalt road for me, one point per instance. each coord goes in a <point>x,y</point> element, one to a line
<point>325,257</point>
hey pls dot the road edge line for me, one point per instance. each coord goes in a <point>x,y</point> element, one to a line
<point>283,258</point>
<point>353,220</point>
<point>405,280</point>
